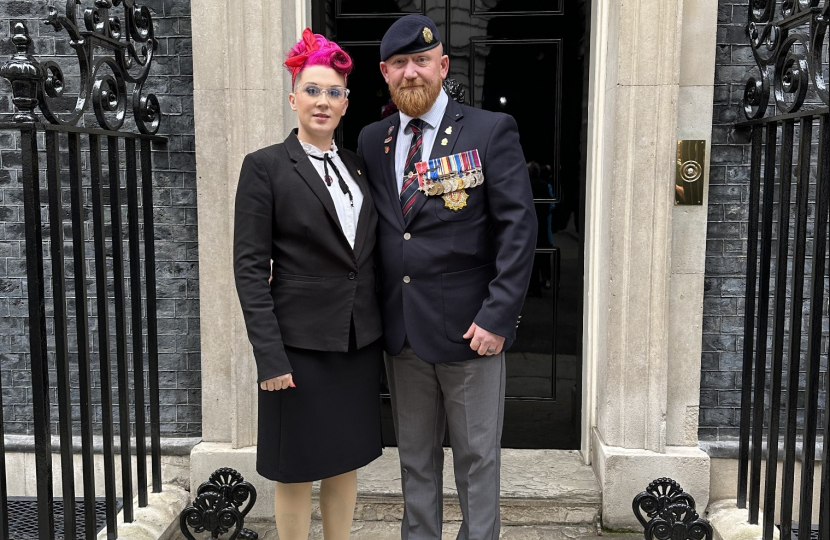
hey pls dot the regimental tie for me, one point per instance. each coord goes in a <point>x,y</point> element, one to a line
<point>409,190</point>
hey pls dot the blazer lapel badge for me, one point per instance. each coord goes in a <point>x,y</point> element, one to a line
<point>388,139</point>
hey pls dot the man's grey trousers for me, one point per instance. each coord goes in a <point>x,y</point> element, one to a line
<point>467,396</point>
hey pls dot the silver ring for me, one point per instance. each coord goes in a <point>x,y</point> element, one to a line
<point>491,351</point>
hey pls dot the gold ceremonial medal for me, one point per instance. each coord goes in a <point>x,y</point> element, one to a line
<point>444,141</point>
<point>456,200</point>
<point>427,35</point>
<point>448,131</point>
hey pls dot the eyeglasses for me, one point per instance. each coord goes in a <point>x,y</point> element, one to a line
<point>335,93</point>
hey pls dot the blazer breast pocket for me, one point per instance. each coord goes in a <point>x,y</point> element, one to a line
<point>458,206</point>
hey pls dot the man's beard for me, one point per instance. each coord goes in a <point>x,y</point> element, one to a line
<point>416,101</point>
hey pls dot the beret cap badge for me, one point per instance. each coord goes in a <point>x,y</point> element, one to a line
<point>427,34</point>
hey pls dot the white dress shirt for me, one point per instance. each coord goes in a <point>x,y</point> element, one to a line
<point>433,120</point>
<point>346,213</point>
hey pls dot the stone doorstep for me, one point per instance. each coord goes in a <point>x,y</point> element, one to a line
<point>513,512</point>
<point>539,487</point>
<point>375,530</point>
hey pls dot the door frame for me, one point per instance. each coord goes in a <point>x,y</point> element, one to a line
<point>596,224</point>
<point>596,211</point>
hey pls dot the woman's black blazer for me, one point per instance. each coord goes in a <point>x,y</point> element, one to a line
<point>284,213</point>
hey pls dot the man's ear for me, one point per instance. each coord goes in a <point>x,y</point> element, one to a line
<point>445,66</point>
<point>385,72</point>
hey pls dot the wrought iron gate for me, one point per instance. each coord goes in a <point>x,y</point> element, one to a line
<point>113,48</point>
<point>790,138</point>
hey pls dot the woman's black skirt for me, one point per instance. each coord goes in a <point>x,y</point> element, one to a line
<point>329,424</point>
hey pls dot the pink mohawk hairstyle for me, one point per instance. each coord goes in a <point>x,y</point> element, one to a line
<point>315,50</point>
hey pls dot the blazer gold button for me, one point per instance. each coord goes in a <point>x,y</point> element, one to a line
<point>351,275</point>
<point>406,236</point>
<point>406,279</point>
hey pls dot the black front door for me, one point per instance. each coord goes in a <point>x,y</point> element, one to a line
<point>526,58</point>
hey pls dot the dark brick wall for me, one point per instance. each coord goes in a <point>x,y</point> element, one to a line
<point>723,307</point>
<point>175,226</point>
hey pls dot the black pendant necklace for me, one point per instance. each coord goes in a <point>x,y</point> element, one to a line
<point>326,159</point>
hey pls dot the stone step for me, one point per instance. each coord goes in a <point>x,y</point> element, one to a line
<point>380,530</point>
<point>538,487</point>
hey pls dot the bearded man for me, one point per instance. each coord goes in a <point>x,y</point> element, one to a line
<point>456,237</point>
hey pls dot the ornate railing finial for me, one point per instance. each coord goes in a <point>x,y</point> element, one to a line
<point>666,512</point>
<point>25,74</point>
<point>111,52</point>
<point>218,508</point>
<point>455,90</point>
<point>788,46</point>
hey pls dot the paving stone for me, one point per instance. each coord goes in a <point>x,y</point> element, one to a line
<point>363,530</point>
<point>373,530</point>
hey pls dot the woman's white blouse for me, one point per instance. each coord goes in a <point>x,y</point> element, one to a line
<point>347,215</point>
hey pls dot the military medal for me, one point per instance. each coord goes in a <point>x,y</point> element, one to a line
<point>467,167</point>
<point>456,200</point>
<point>387,140</point>
<point>385,149</point>
<point>478,174</point>
<point>421,169</point>
<point>391,129</point>
<point>450,176</point>
<point>436,188</point>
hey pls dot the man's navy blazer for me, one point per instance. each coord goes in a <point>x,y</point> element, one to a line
<point>444,269</point>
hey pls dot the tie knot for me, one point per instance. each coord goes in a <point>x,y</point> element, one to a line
<point>416,125</point>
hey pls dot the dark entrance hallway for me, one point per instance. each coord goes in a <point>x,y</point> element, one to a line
<point>527,58</point>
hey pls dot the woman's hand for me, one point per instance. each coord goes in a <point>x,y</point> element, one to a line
<point>278,383</point>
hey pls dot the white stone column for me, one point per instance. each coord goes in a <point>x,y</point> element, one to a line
<point>240,102</point>
<point>688,258</point>
<point>653,70</point>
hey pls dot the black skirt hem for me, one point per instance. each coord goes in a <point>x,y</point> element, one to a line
<point>289,479</point>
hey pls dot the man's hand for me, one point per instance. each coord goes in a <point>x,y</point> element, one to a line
<point>483,342</point>
<point>278,383</point>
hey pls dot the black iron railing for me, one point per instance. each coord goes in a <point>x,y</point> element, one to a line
<point>113,49</point>
<point>787,112</point>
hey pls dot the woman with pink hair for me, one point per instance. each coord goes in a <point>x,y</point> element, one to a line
<point>304,240</point>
